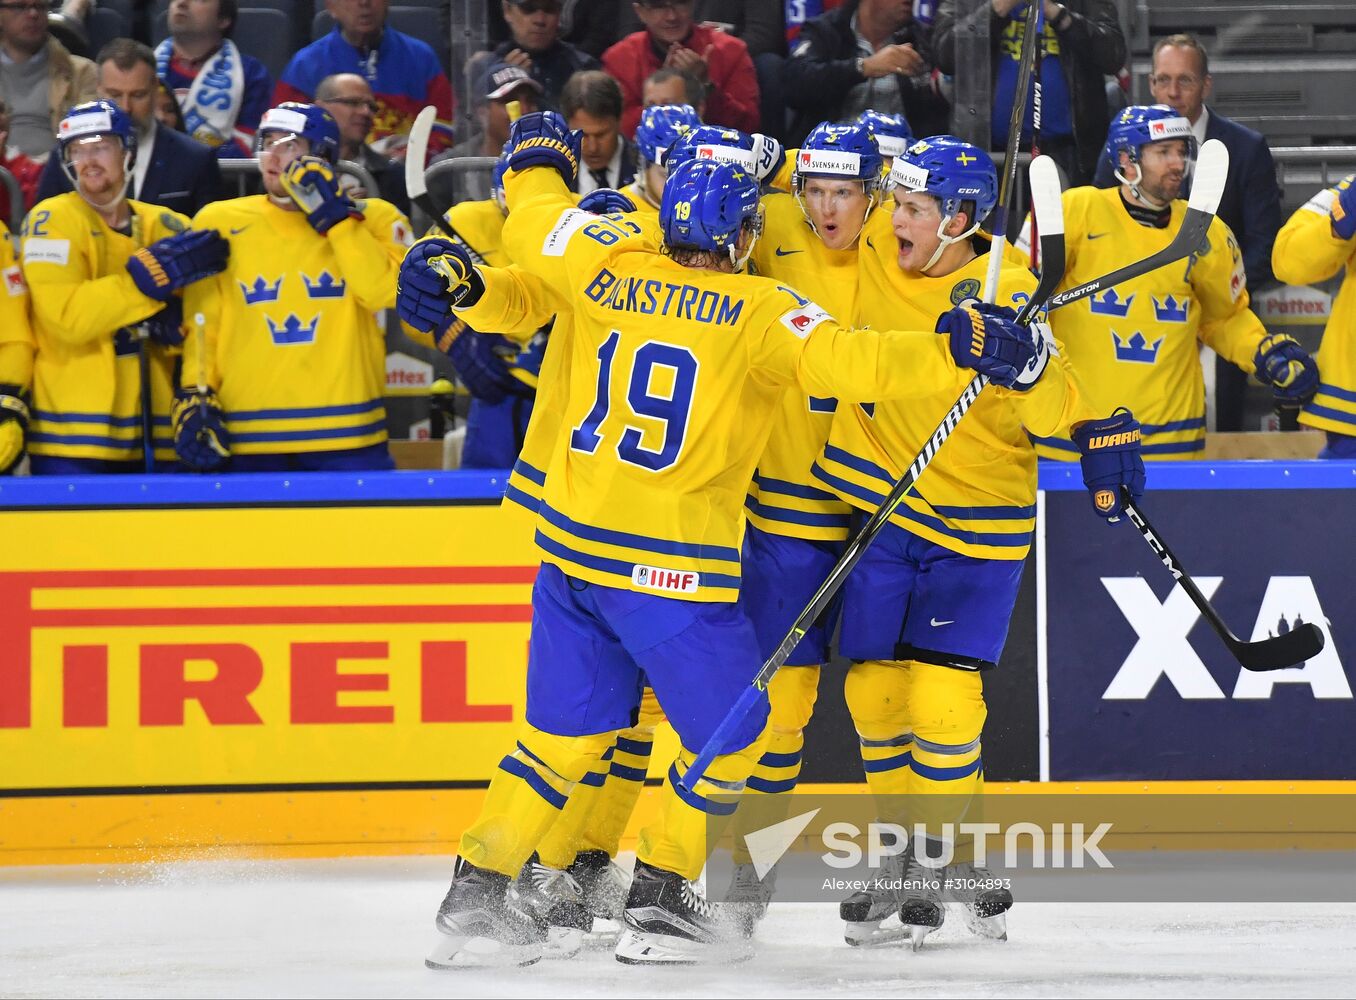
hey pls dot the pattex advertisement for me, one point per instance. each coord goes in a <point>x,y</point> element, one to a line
<point>1138,686</point>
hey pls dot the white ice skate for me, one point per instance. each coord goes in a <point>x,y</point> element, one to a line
<point>668,923</point>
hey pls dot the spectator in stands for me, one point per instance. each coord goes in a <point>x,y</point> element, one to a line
<point>171,170</point>
<point>761,25</point>
<point>38,76</point>
<point>349,99</point>
<point>1082,46</point>
<point>719,61</point>
<point>222,91</point>
<point>673,86</point>
<point>167,110</point>
<point>403,72</point>
<point>592,103</point>
<point>536,47</point>
<point>25,169</point>
<point>1251,205</point>
<point>495,89</point>
<point>861,55</point>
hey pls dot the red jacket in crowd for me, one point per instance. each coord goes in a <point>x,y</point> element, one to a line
<point>733,98</point>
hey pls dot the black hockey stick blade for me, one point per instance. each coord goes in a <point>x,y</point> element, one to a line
<point>1212,167</point>
<point>1276,652</point>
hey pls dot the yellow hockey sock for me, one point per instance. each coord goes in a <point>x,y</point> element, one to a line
<point>947,711</point>
<point>526,796</point>
<point>877,697</point>
<point>602,803</point>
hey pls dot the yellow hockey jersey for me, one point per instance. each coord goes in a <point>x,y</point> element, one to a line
<point>1135,344</point>
<point>978,495</point>
<point>784,498</point>
<point>643,204</point>
<point>16,332</point>
<point>674,378</point>
<point>1306,252</point>
<point>86,377</point>
<point>294,348</point>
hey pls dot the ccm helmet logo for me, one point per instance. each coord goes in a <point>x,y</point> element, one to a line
<point>969,190</point>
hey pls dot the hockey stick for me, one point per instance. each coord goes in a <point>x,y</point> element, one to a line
<point>1274,653</point>
<point>147,414</point>
<point>1045,186</point>
<point>416,152</point>
<point>1030,43</point>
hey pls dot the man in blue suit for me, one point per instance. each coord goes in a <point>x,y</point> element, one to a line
<point>171,169</point>
<point>1251,205</point>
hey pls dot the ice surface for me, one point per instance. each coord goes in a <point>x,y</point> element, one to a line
<point>360,927</point>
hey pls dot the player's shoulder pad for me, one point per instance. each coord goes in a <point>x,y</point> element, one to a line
<point>386,222</point>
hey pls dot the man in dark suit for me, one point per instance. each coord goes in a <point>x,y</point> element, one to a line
<point>1251,206</point>
<point>171,169</point>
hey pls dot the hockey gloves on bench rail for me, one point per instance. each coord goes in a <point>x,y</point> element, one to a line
<point>1111,459</point>
<point>200,437</point>
<point>1287,367</point>
<point>544,139</point>
<point>167,265</point>
<point>987,338</point>
<point>13,427</point>
<point>435,276</point>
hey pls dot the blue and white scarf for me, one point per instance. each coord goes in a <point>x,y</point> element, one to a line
<point>213,102</point>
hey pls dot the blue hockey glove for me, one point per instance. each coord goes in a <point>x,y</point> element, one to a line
<point>167,265</point>
<point>200,438</point>
<point>314,188</point>
<point>606,200</point>
<point>1111,459</point>
<point>769,155</point>
<point>543,139</point>
<point>436,275</point>
<point>166,326</point>
<point>13,427</point>
<point>1285,366</point>
<point>482,361</point>
<point>1343,210</point>
<point>987,338</point>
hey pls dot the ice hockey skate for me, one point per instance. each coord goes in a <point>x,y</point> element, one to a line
<point>480,926</point>
<point>865,913</point>
<point>748,897</point>
<point>604,884</point>
<point>667,922</point>
<point>554,898</point>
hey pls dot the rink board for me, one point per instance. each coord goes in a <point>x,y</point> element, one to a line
<point>331,664</point>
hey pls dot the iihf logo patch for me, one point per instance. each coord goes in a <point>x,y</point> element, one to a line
<point>678,581</point>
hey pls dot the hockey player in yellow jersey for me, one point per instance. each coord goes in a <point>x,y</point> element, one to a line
<point>797,529</point>
<point>1137,344</point>
<point>288,371</point>
<point>98,266</point>
<point>676,365</point>
<point>927,608</point>
<point>1318,241</point>
<point>16,360</point>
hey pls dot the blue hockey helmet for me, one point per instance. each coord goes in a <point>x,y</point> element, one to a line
<point>707,204</point>
<point>305,121</point>
<point>892,132</point>
<point>838,152</point>
<point>950,170</point>
<point>90,122</point>
<point>660,124</point>
<point>93,120</point>
<point>713,142</point>
<point>1141,124</point>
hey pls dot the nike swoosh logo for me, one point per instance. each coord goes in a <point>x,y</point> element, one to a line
<point>785,253</point>
<point>936,623</point>
<point>1095,236</point>
<point>237,232</point>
